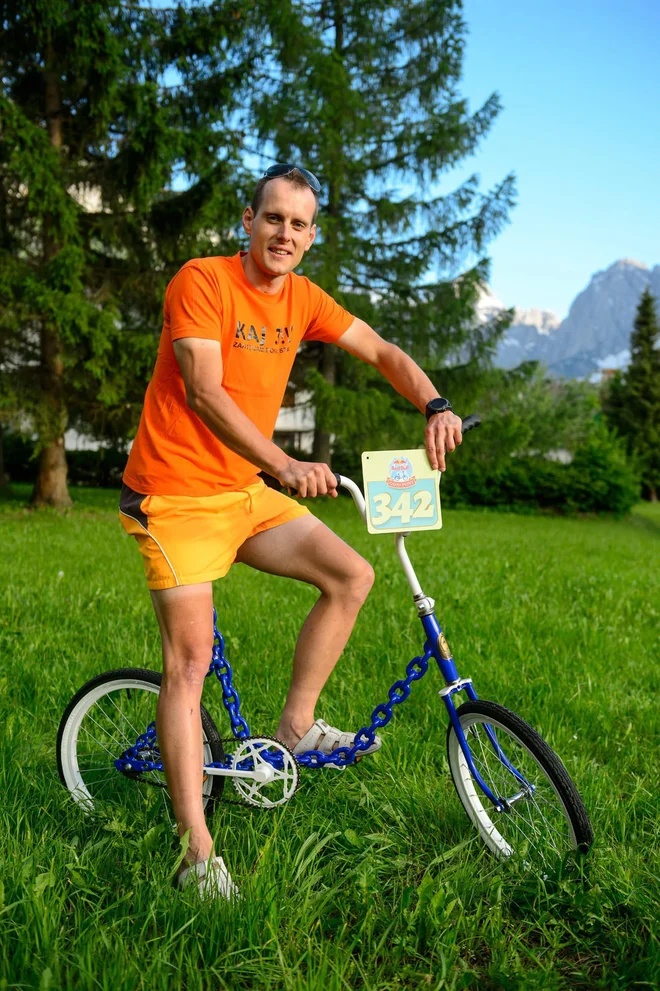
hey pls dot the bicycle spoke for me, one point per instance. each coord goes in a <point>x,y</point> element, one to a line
<point>134,730</point>
<point>549,824</point>
<point>98,781</point>
<point>535,820</point>
<point>119,744</point>
<point>559,811</point>
<point>105,723</point>
<point>98,743</point>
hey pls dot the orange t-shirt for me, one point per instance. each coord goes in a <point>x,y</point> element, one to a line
<point>174,453</point>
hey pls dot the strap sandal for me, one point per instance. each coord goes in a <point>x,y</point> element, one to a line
<point>212,878</point>
<point>326,738</point>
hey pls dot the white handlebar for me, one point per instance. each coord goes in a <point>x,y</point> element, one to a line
<point>354,489</point>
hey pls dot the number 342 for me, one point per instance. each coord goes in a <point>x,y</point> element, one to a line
<point>403,509</point>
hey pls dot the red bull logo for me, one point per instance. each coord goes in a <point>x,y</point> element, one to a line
<point>400,473</point>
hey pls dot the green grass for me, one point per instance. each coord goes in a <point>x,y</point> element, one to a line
<point>370,879</point>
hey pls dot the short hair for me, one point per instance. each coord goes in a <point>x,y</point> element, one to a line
<point>295,177</point>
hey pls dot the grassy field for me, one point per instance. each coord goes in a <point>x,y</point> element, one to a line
<point>370,879</point>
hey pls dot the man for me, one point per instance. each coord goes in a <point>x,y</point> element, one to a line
<point>192,497</point>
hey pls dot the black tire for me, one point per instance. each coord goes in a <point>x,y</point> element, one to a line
<point>118,786</point>
<point>544,825</point>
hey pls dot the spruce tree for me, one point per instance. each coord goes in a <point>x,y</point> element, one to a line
<point>632,402</point>
<point>101,103</point>
<point>368,99</point>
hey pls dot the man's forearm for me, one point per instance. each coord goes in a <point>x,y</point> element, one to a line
<point>406,377</point>
<point>229,424</point>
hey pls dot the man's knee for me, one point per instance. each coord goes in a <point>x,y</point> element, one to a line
<point>185,665</point>
<point>367,577</point>
<point>357,581</point>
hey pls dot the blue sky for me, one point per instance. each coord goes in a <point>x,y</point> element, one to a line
<point>580,85</point>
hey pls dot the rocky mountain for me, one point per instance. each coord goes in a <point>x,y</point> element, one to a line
<point>595,334</point>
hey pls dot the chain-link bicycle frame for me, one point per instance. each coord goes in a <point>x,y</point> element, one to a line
<point>435,647</point>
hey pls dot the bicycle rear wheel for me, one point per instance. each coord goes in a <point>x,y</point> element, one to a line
<point>103,720</point>
<point>545,818</point>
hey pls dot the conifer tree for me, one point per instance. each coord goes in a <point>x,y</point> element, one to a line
<point>368,99</point>
<point>632,401</point>
<point>93,127</point>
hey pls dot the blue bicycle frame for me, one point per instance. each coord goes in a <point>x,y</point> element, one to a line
<point>435,647</point>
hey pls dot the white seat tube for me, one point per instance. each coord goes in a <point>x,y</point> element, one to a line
<point>358,499</point>
<point>406,564</point>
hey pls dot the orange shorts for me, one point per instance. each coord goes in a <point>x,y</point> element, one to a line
<point>185,540</point>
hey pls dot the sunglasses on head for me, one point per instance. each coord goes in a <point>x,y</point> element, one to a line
<point>277,171</point>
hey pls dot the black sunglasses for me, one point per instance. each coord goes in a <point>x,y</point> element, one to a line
<point>277,171</point>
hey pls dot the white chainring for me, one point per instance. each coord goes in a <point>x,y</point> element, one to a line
<point>283,781</point>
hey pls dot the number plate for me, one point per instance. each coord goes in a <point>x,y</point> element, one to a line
<point>402,492</point>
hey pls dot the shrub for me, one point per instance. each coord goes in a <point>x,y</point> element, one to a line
<point>517,483</point>
<point>19,465</point>
<point>101,468</point>
<point>600,479</point>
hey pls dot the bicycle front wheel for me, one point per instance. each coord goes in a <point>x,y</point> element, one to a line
<point>102,721</point>
<point>543,815</point>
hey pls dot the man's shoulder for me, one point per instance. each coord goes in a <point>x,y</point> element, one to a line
<point>212,271</point>
<point>210,264</point>
<point>302,285</point>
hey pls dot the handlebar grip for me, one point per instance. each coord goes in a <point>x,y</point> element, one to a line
<point>470,422</point>
<point>337,478</point>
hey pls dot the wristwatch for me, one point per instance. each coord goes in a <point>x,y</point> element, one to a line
<point>438,405</point>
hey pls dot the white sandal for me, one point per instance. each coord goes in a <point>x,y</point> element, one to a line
<point>326,739</point>
<point>212,878</point>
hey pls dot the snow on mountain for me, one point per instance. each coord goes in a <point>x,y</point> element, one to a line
<point>488,304</point>
<point>544,320</point>
<point>526,338</point>
<point>596,333</point>
<point>616,361</point>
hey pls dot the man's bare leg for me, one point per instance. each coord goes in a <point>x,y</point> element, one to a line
<point>185,617</point>
<point>307,550</point>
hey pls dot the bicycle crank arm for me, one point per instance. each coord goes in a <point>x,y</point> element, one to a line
<point>262,775</point>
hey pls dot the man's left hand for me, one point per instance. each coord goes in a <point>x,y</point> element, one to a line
<point>443,433</point>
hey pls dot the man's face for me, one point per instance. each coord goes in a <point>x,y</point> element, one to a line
<point>283,229</point>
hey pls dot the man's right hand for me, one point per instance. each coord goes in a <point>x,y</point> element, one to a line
<point>309,479</point>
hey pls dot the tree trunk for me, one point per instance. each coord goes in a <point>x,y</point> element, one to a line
<point>653,494</point>
<point>50,488</point>
<point>3,478</point>
<point>328,360</point>
<point>327,367</point>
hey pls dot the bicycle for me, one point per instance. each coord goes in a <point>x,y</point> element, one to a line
<point>514,788</point>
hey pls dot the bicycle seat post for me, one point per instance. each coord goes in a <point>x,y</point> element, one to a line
<point>424,603</point>
<point>436,641</point>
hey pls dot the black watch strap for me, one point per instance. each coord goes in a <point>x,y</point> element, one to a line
<point>438,405</point>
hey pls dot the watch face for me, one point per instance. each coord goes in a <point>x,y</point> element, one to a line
<point>437,406</point>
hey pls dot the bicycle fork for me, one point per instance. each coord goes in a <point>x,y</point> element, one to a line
<point>436,645</point>
<point>454,685</point>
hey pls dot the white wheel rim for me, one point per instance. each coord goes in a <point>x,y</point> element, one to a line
<point>75,724</point>
<point>483,814</point>
<point>280,788</point>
